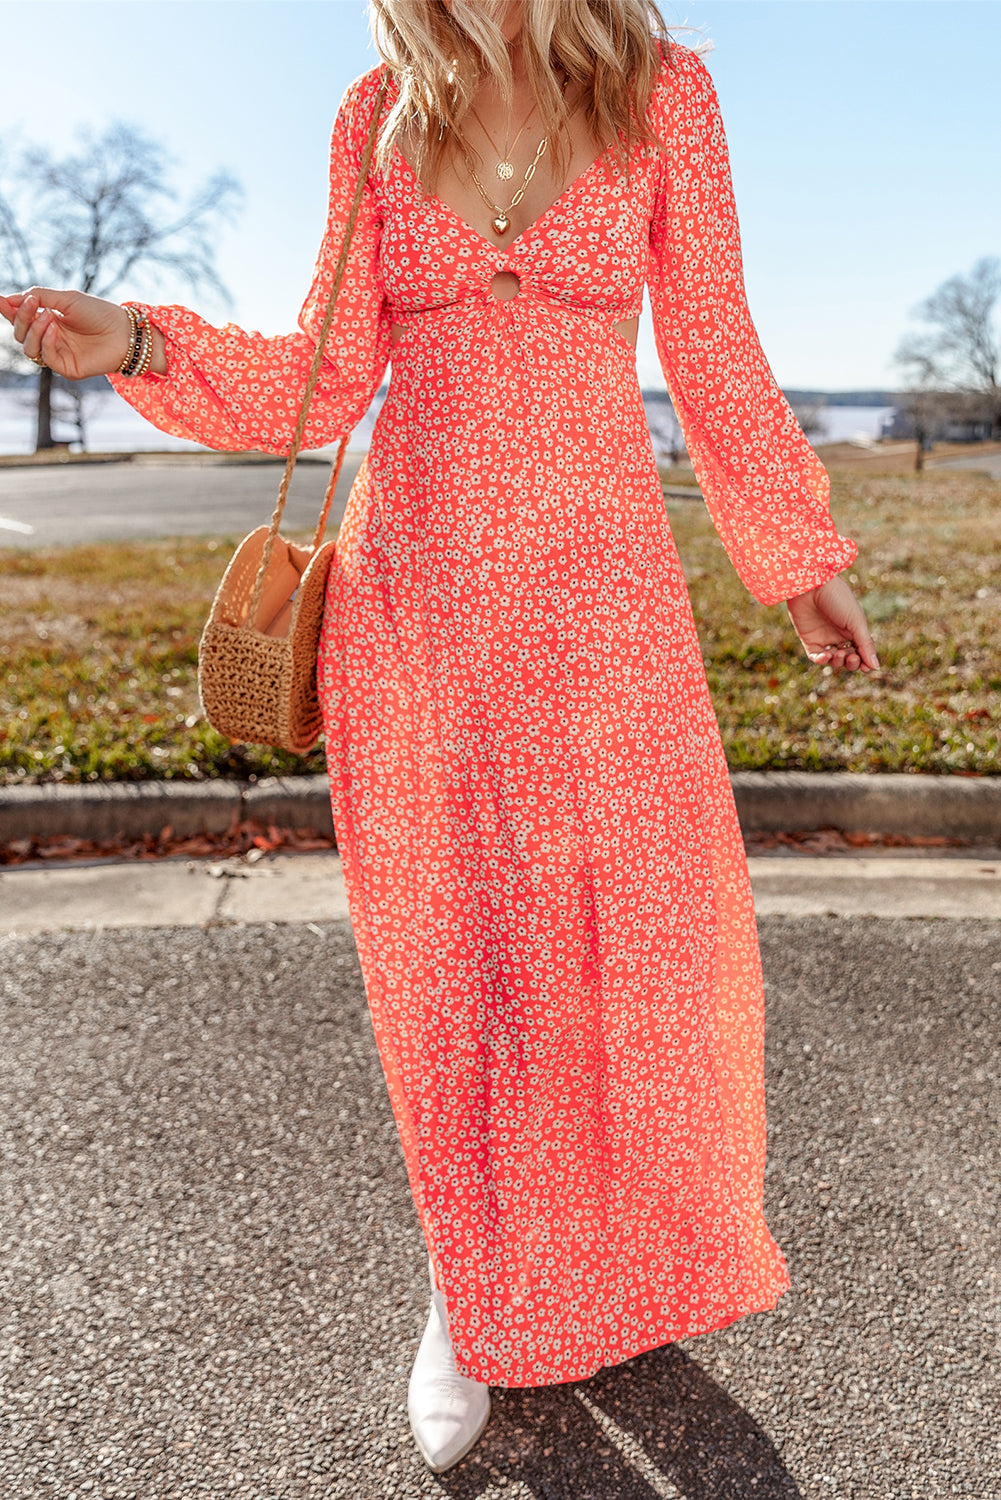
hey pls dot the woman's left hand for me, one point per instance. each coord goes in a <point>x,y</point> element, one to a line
<point>833,628</point>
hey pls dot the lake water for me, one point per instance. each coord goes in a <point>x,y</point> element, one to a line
<point>843,424</point>
<point>114,427</point>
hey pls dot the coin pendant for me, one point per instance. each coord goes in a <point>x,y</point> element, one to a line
<point>505,171</point>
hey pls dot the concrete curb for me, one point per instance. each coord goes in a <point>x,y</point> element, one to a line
<point>133,809</point>
<point>964,807</point>
<point>961,807</point>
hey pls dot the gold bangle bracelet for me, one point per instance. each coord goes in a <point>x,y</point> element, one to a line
<point>134,330</point>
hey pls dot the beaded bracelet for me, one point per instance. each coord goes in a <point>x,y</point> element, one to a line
<point>135,331</point>
<point>140,352</point>
<point>146,352</point>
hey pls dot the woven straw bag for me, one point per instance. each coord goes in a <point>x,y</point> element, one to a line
<point>257,655</point>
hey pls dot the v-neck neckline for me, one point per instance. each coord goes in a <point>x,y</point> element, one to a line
<point>531,228</point>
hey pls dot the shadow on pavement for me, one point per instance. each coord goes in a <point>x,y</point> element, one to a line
<point>657,1426</point>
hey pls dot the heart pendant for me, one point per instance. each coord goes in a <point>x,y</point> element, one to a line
<point>501,224</point>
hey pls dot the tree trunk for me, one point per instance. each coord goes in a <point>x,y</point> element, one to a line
<point>43,431</point>
<point>76,395</point>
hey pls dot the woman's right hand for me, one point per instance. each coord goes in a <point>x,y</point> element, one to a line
<point>73,333</point>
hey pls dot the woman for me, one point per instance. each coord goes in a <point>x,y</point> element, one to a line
<point>546,874</point>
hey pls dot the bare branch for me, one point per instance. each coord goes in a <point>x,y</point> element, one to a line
<point>104,213</point>
<point>959,353</point>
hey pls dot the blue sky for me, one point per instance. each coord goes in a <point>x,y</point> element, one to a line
<point>863,138</point>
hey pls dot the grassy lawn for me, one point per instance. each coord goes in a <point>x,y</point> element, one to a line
<point>100,646</point>
<point>929,578</point>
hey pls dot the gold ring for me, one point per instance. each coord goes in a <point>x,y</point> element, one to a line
<point>36,361</point>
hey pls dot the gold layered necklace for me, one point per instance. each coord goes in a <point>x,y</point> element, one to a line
<point>501,220</point>
<point>505,167</point>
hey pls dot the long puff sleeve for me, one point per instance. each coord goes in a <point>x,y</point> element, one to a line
<point>767,492</point>
<point>235,390</point>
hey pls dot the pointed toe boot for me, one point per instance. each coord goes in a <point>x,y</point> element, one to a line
<point>448,1411</point>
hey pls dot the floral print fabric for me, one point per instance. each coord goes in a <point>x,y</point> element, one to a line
<point>546,875</point>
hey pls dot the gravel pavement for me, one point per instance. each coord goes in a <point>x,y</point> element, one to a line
<point>212,1280</point>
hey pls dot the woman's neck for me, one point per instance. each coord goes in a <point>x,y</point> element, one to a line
<point>516,53</point>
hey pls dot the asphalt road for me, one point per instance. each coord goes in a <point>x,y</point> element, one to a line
<point>212,1280</point>
<point>161,496</point>
<point>158,497</point>
<point>989,462</point>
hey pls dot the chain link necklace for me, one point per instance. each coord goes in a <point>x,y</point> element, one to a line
<point>502,216</point>
<point>501,220</point>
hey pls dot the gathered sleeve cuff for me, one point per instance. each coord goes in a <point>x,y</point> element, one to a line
<point>766,490</point>
<point>234,389</point>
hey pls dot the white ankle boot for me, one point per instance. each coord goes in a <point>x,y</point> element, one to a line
<point>448,1411</point>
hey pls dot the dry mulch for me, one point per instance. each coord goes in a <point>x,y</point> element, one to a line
<point>253,840</point>
<point>834,840</point>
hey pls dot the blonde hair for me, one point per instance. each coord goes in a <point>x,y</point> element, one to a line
<point>439,54</point>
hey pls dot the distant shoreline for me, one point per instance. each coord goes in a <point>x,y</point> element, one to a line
<point>112,425</point>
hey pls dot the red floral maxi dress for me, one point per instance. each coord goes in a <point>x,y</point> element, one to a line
<point>545,871</point>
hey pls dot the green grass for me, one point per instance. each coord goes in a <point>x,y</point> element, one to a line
<point>101,645</point>
<point>929,580</point>
<point>102,682</point>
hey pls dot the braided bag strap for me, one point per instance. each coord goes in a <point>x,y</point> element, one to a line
<point>314,372</point>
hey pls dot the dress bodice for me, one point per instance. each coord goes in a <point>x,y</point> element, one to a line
<point>589,250</point>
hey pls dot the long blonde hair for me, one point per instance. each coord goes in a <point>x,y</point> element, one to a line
<point>439,54</point>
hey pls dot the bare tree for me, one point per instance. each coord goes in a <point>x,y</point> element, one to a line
<point>953,369</point>
<point>928,408</point>
<point>71,401</point>
<point>94,218</point>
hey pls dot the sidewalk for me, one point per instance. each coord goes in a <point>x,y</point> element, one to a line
<point>290,888</point>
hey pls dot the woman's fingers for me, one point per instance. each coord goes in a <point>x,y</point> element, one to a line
<point>31,306</point>
<point>31,338</point>
<point>42,340</point>
<point>847,658</point>
<point>858,649</point>
<point>34,340</point>
<point>30,303</point>
<point>865,643</point>
<point>9,306</point>
<point>48,296</point>
<point>31,322</point>
<point>23,316</point>
<point>72,332</point>
<point>842,649</point>
<point>849,643</point>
